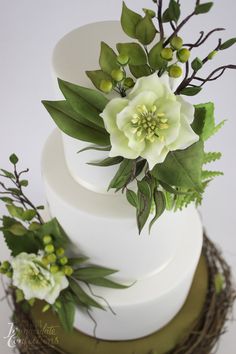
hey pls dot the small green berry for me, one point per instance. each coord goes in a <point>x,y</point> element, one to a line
<point>183,55</point>
<point>175,71</point>
<point>212,54</point>
<point>47,239</point>
<point>129,82</point>
<point>49,248</point>
<point>54,268</point>
<point>67,270</point>
<point>60,252</point>
<point>52,258</point>
<point>106,86</point>
<point>5,265</point>
<point>45,261</point>
<point>167,53</point>
<point>176,42</point>
<point>117,75</point>
<point>63,260</point>
<point>122,59</point>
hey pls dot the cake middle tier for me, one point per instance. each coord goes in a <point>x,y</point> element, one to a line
<point>104,228</point>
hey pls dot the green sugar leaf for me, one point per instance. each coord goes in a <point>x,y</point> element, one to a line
<point>132,198</point>
<point>13,159</point>
<point>96,148</point>
<point>134,51</point>
<point>160,206</point>
<point>97,76</point>
<point>82,296</point>
<point>7,173</point>
<point>145,30</point>
<point>197,64</point>
<point>174,11</point>
<point>203,8</point>
<point>71,123</point>
<point>155,59</point>
<point>17,229</point>
<point>93,272</point>
<point>144,197</point>
<point>228,44</point>
<point>211,157</point>
<point>53,228</point>
<point>109,161</point>
<point>211,174</point>
<point>129,21</point>
<point>140,70</point>
<point>182,168</point>
<point>107,283</point>
<point>15,212</point>
<point>204,121</point>
<point>191,91</point>
<point>123,175</point>
<point>66,311</point>
<point>107,59</point>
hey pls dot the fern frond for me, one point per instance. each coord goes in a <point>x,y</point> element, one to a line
<point>217,128</point>
<point>211,156</point>
<point>211,174</point>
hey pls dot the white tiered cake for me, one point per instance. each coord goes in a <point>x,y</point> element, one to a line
<point>103,225</point>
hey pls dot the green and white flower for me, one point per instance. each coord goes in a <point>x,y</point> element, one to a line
<point>149,122</point>
<point>35,280</point>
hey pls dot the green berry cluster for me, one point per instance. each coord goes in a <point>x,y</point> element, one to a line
<point>182,56</point>
<point>118,76</point>
<point>55,258</point>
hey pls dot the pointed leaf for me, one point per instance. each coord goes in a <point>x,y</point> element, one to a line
<point>155,59</point>
<point>191,91</point>
<point>83,297</point>
<point>228,43</point>
<point>107,283</point>
<point>96,148</point>
<point>174,11</point>
<point>64,117</point>
<point>132,198</point>
<point>93,272</point>
<point>160,206</point>
<point>13,159</point>
<point>134,51</point>
<point>107,59</point>
<point>109,161</point>
<point>140,70</point>
<point>7,173</point>
<point>203,8</point>
<point>204,121</point>
<point>123,174</point>
<point>197,64</point>
<point>145,30</point>
<point>66,311</point>
<point>129,21</point>
<point>144,203</point>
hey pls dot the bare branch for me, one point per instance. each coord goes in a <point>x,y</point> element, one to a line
<point>178,28</point>
<point>159,17</point>
<point>202,40</point>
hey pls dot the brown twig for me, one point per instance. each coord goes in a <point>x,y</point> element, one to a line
<point>202,40</point>
<point>159,17</point>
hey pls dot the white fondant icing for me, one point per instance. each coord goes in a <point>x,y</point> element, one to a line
<point>104,226</point>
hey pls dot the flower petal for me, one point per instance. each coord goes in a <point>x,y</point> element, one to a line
<point>120,147</point>
<point>187,109</point>
<point>186,136</point>
<point>110,112</point>
<point>148,83</point>
<point>154,153</point>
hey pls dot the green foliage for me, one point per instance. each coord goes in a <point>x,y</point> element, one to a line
<point>145,30</point>
<point>123,175</point>
<point>109,161</point>
<point>211,156</point>
<point>154,57</point>
<point>134,51</point>
<point>74,124</point>
<point>211,174</point>
<point>140,70</point>
<point>107,59</point>
<point>129,21</point>
<point>13,159</point>
<point>197,64</point>
<point>160,206</point>
<point>107,283</point>
<point>191,91</point>
<point>132,197</point>
<point>92,272</point>
<point>82,296</point>
<point>66,310</point>
<point>172,13</point>
<point>228,44</point>
<point>182,168</point>
<point>203,8</point>
<point>54,229</point>
<point>144,198</point>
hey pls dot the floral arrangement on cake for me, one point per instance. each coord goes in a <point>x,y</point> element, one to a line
<point>139,115</point>
<point>43,265</point>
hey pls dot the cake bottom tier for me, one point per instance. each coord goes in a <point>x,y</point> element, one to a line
<point>160,342</point>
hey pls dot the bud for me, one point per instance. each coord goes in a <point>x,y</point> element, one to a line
<point>183,55</point>
<point>54,268</point>
<point>9,274</point>
<point>52,258</point>
<point>176,42</point>
<point>45,261</point>
<point>149,12</point>
<point>5,265</point>
<point>49,248</point>
<point>122,59</point>
<point>67,270</point>
<point>60,252</point>
<point>167,53</point>
<point>106,86</point>
<point>175,71</point>
<point>212,54</point>
<point>63,260</point>
<point>117,75</point>
<point>47,239</point>
<point>129,82</point>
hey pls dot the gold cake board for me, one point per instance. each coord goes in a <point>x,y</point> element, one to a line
<point>194,330</point>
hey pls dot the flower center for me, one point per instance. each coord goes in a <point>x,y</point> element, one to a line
<point>148,123</point>
<point>35,276</point>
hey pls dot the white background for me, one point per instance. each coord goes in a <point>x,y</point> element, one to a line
<point>29,30</point>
